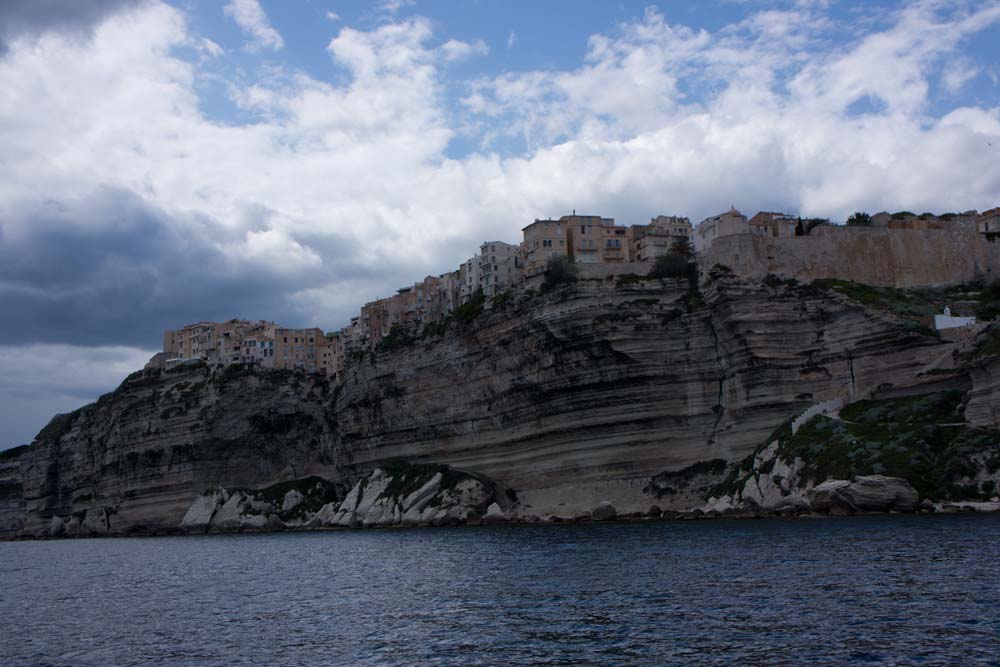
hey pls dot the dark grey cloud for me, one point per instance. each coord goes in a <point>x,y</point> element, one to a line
<point>110,269</point>
<point>34,17</point>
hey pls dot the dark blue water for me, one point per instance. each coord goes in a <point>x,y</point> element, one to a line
<point>881,591</point>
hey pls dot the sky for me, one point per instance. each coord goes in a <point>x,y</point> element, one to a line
<point>166,162</point>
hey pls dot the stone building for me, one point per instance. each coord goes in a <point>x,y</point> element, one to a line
<point>194,341</point>
<point>451,289</point>
<point>469,278</point>
<point>595,240</point>
<point>543,240</point>
<point>499,267</point>
<point>773,224</point>
<point>298,348</point>
<point>988,222</point>
<point>646,242</point>
<point>331,355</point>
<point>725,224</point>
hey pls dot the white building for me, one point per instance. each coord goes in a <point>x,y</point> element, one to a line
<point>947,321</point>
<point>724,224</point>
<point>499,267</point>
<point>469,277</point>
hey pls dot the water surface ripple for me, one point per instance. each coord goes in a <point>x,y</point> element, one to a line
<point>874,590</point>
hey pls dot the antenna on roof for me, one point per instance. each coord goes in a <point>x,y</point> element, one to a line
<point>574,211</point>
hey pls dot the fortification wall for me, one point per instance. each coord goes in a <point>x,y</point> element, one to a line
<point>884,257</point>
<point>596,272</point>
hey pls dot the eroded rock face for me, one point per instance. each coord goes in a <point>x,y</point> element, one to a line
<point>872,493</point>
<point>983,408</point>
<point>411,496</point>
<point>582,395</point>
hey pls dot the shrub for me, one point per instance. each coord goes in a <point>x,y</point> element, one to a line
<point>503,298</point>
<point>859,219</point>
<point>398,337</point>
<point>682,247</point>
<point>435,329</point>
<point>671,265</point>
<point>806,225</point>
<point>471,308</point>
<point>559,271</point>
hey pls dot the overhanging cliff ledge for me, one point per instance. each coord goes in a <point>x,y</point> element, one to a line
<point>544,405</point>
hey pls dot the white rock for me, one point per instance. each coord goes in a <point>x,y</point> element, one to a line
<point>494,514</point>
<point>378,482</point>
<point>292,500</point>
<point>199,514</point>
<point>229,516</point>
<point>419,498</point>
<point>57,527</point>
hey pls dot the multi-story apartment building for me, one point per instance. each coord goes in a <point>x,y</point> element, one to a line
<point>193,341</point>
<point>724,224</point>
<point>499,267</point>
<point>469,278</point>
<point>451,290</point>
<point>646,242</point>
<point>595,240</point>
<point>543,240</point>
<point>298,348</point>
<point>331,355</point>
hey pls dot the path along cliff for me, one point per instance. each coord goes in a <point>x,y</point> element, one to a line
<point>600,395</point>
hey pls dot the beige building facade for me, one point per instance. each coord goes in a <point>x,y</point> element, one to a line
<point>543,240</point>
<point>725,224</point>
<point>988,222</point>
<point>767,223</point>
<point>647,242</point>
<point>298,348</point>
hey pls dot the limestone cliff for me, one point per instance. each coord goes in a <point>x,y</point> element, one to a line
<point>551,403</point>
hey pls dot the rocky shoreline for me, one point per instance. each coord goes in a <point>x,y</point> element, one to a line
<point>410,497</point>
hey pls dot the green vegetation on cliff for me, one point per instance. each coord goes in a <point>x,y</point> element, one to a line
<point>920,438</point>
<point>919,304</point>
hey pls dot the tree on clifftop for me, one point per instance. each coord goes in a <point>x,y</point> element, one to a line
<point>558,271</point>
<point>859,219</point>
<point>682,247</point>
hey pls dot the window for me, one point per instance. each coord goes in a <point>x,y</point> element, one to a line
<point>583,230</point>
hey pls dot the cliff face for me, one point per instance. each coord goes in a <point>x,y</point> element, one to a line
<point>557,401</point>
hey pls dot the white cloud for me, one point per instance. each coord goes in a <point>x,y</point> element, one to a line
<point>333,16</point>
<point>511,40</point>
<point>252,20</point>
<point>957,73</point>
<point>454,50</point>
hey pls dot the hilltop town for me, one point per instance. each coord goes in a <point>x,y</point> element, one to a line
<point>907,249</point>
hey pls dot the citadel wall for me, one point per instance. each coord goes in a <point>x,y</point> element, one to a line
<point>874,256</point>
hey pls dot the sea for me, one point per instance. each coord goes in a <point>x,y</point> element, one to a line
<point>889,590</point>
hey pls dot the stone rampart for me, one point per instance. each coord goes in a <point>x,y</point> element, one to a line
<point>596,272</point>
<point>874,256</point>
